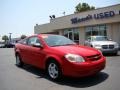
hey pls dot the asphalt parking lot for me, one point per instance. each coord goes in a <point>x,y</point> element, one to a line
<point>31,78</point>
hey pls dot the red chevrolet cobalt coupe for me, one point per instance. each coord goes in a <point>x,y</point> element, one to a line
<point>59,56</point>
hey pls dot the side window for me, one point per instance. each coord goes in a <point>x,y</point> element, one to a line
<point>24,41</point>
<point>33,40</point>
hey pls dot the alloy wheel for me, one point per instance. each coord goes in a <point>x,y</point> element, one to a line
<point>53,70</point>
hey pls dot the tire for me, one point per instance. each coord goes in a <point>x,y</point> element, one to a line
<point>91,45</point>
<point>19,63</point>
<point>54,70</point>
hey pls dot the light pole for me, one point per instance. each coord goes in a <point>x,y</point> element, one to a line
<point>10,37</point>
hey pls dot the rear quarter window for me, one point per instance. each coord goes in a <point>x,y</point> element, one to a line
<point>24,41</point>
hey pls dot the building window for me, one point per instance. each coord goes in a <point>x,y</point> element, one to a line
<point>96,30</point>
<point>72,34</point>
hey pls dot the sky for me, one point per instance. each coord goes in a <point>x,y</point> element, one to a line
<point>20,16</point>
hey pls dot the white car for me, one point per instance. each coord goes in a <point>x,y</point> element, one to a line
<point>103,44</point>
<point>2,44</point>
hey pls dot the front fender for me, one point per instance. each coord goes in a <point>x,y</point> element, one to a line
<point>58,59</point>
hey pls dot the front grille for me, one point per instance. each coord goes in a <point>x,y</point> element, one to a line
<point>108,46</point>
<point>94,57</point>
<point>105,46</point>
<point>111,46</point>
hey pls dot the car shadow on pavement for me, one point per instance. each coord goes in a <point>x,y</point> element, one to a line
<point>69,81</point>
<point>31,69</point>
<point>85,82</point>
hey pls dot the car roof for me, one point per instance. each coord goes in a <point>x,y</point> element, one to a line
<point>41,35</point>
<point>46,35</point>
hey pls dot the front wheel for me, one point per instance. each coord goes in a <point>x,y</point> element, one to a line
<point>53,70</point>
<point>19,63</point>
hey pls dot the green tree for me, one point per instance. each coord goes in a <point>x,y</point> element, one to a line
<point>5,38</point>
<point>83,7</point>
<point>23,36</point>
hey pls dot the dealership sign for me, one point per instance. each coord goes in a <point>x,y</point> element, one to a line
<point>95,16</point>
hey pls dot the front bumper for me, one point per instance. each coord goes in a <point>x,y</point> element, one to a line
<point>115,50</point>
<point>84,69</point>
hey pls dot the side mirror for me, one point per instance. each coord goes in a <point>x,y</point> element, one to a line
<point>37,45</point>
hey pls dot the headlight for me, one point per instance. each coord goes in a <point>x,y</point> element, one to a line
<point>116,45</point>
<point>74,58</point>
<point>97,46</point>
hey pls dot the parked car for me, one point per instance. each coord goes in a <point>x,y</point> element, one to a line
<point>9,44</point>
<point>59,56</point>
<point>2,44</point>
<point>103,44</point>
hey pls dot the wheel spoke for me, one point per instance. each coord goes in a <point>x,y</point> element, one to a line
<point>53,71</point>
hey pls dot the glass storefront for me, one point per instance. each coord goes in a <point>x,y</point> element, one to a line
<point>96,30</point>
<point>72,34</point>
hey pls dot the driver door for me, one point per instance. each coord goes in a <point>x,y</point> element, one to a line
<point>35,54</point>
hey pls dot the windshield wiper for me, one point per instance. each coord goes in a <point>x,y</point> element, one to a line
<point>55,45</point>
<point>62,45</point>
<point>68,44</point>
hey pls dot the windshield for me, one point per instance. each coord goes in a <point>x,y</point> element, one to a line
<point>57,40</point>
<point>99,38</point>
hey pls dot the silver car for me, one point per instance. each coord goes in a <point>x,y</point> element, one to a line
<point>103,44</point>
<point>2,44</point>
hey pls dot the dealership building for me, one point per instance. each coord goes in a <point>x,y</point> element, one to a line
<point>102,21</point>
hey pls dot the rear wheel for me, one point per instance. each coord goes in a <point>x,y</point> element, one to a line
<point>19,63</point>
<point>53,70</point>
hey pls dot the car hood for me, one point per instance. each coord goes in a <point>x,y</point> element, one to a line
<point>103,42</point>
<point>77,49</point>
